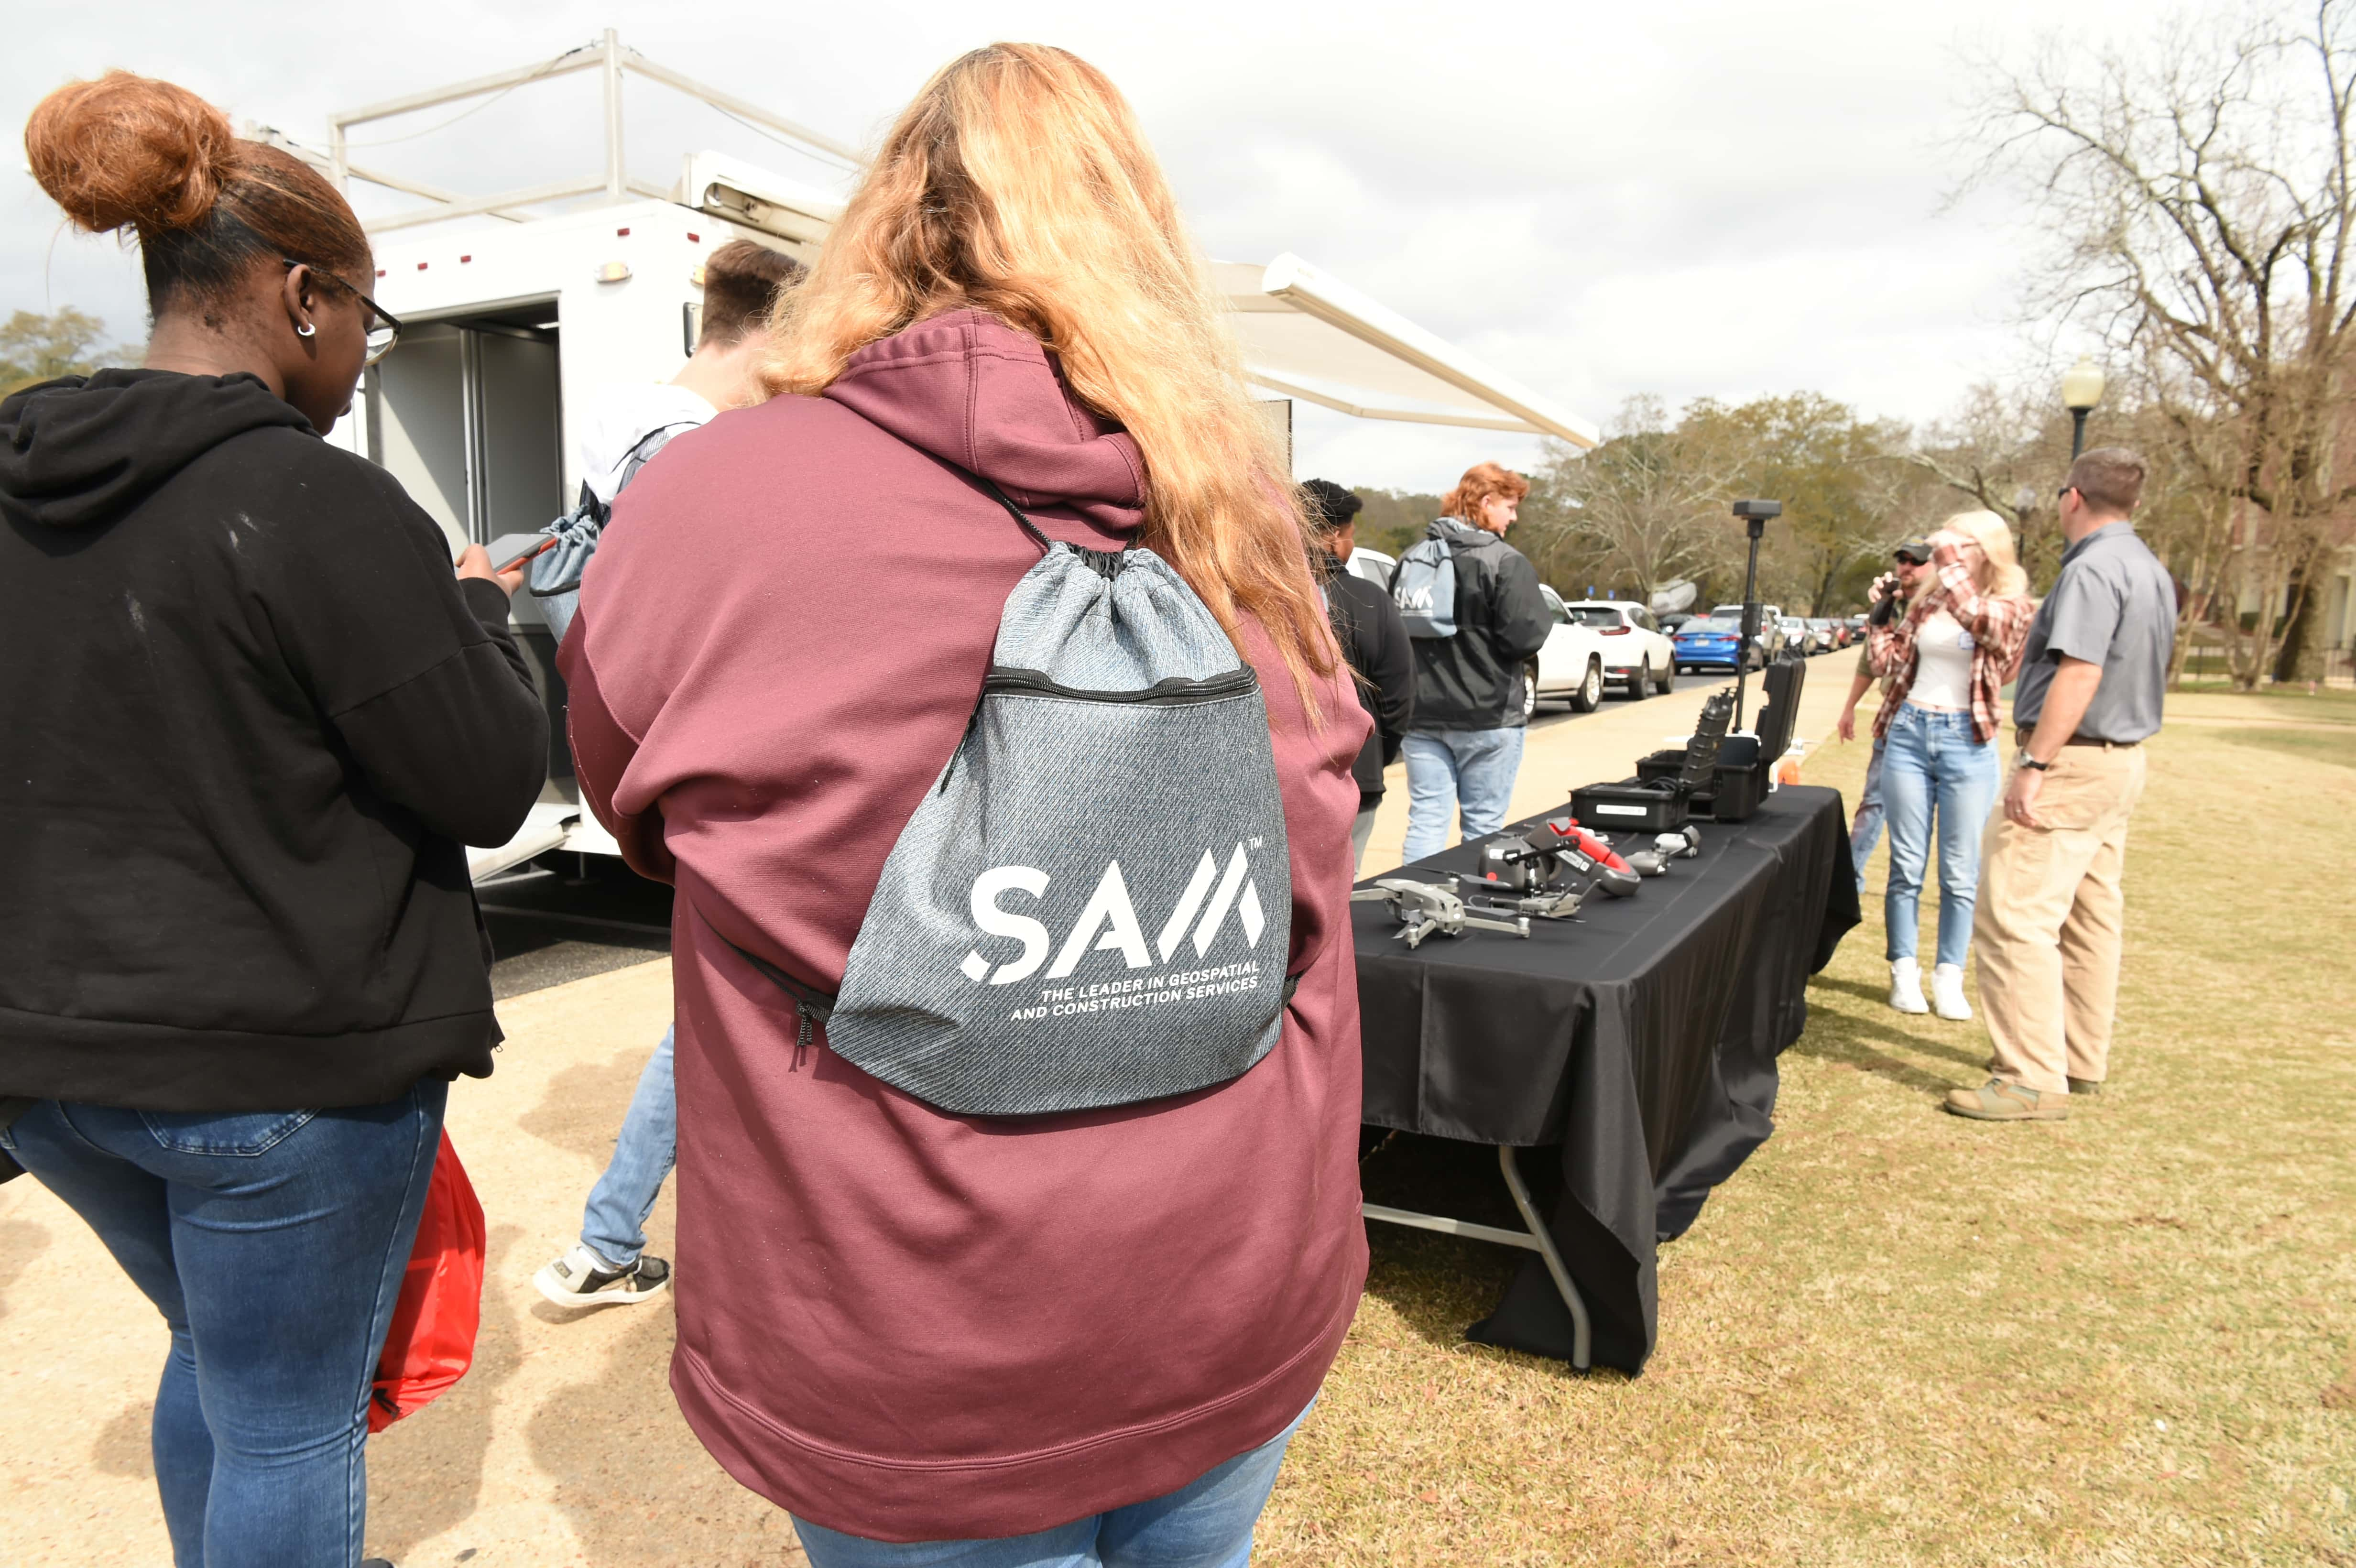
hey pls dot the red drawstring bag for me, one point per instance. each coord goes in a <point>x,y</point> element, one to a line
<point>431,1341</point>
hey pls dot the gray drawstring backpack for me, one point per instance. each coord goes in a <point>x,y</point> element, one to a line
<point>1423,586</point>
<point>556,575</point>
<point>1092,906</point>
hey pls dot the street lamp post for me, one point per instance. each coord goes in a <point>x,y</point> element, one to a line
<point>2082,389</point>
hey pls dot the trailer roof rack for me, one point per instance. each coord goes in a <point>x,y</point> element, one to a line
<point>1305,335</point>
<point>609,56</point>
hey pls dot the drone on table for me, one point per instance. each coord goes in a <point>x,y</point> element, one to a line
<point>1424,908</point>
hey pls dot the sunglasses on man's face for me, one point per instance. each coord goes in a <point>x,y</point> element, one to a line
<point>2063,491</point>
<point>383,327</point>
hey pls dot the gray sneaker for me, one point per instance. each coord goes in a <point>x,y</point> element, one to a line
<point>582,1278</point>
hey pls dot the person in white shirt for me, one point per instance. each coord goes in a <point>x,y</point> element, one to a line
<point>629,421</point>
<point>1889,594</point>
<point>630,424</point>
<point>1946,658</point>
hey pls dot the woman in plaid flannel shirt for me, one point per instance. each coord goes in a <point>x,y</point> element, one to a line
<point>1948,659</point>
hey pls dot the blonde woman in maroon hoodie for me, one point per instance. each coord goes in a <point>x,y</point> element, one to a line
<point>1071,1338</point>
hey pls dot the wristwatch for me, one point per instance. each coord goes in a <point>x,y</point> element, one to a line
<point>2029,761</point>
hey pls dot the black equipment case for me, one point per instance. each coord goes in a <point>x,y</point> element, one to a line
<point>1663,794</point>
<point>1631,803</point>
<point>1736,786</point>
<point>1737,782</point>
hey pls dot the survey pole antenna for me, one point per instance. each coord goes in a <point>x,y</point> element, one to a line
<point>1755,515</point>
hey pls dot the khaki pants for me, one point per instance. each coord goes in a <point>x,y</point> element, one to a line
<point>2051,913</point>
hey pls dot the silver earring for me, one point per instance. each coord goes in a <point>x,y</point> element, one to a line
<point>306,330</point>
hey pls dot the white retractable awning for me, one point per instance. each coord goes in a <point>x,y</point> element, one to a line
<point>1314,337</point>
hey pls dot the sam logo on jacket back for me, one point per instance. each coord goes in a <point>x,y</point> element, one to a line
<point>1212,902</point>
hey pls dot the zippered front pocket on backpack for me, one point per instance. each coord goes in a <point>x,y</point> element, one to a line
<point>1175,692</point>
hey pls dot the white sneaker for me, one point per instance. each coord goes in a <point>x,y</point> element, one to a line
<point>1947,993</point>
<point>1906,986</point>
<point>582,1278</point>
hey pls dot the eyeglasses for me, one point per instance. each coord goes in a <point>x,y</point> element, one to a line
<point>2063,491</point>
<point>383,326</point>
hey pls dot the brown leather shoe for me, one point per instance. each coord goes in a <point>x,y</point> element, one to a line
<point>2085,1085</point>
<point>1997,1101</point>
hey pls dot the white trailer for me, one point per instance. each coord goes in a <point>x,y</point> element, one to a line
<point>514,315</point>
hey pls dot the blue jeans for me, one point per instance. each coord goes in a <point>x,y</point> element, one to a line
<point>1932,766</point>
<point>1864,828</point>
<point>1206,1523</point>
<point>614,1224</point>
<point>1452,770</point>
<point>274,1243</point>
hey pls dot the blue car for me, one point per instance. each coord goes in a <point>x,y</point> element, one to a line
<point>1708,644</point>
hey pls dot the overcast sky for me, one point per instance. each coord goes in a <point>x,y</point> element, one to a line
<point>1690,200</point>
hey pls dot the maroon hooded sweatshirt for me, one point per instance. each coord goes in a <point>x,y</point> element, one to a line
<point>894,1322</point>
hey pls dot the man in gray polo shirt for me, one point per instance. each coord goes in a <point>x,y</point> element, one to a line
<point>2051,912</point>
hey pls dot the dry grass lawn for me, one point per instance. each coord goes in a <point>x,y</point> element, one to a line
<point>1898,1338</point>
<point>1893,1339</point>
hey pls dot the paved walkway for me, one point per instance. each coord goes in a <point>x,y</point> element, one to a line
<point>562,1445</point>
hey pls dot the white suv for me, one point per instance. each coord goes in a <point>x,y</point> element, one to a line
<point>1570,665</point>
<point>1637,654</point>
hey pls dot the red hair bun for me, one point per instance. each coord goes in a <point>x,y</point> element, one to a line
<point>131,151</point>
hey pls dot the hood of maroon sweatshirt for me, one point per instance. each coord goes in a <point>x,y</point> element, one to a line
<point>968,389</point>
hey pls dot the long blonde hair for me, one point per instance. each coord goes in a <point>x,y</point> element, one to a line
<point>1018,183</point>
<point>2004,578</point>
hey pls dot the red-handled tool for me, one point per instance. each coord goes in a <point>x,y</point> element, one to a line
<point>1564,833</point>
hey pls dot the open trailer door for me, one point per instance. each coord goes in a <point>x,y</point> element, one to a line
<point>467,414</point>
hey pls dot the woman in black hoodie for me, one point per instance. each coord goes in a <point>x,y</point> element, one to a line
<point>249,719</point>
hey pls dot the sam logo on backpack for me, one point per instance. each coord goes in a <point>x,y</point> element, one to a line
<point>1424,589</point>
<point>1030,952</point>
<point>1108,922</point>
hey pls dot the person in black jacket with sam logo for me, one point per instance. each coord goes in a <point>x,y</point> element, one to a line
<point>1373,639</point>
<point>250,720</point>
<point>1465,748</point>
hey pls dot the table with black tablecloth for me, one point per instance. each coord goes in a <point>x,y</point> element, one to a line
<point>1637,1044</point>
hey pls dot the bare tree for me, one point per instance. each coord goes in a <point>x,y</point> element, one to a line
<point>1998,453</point>
<point>2201,201</point>
<point>1648,506</point>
